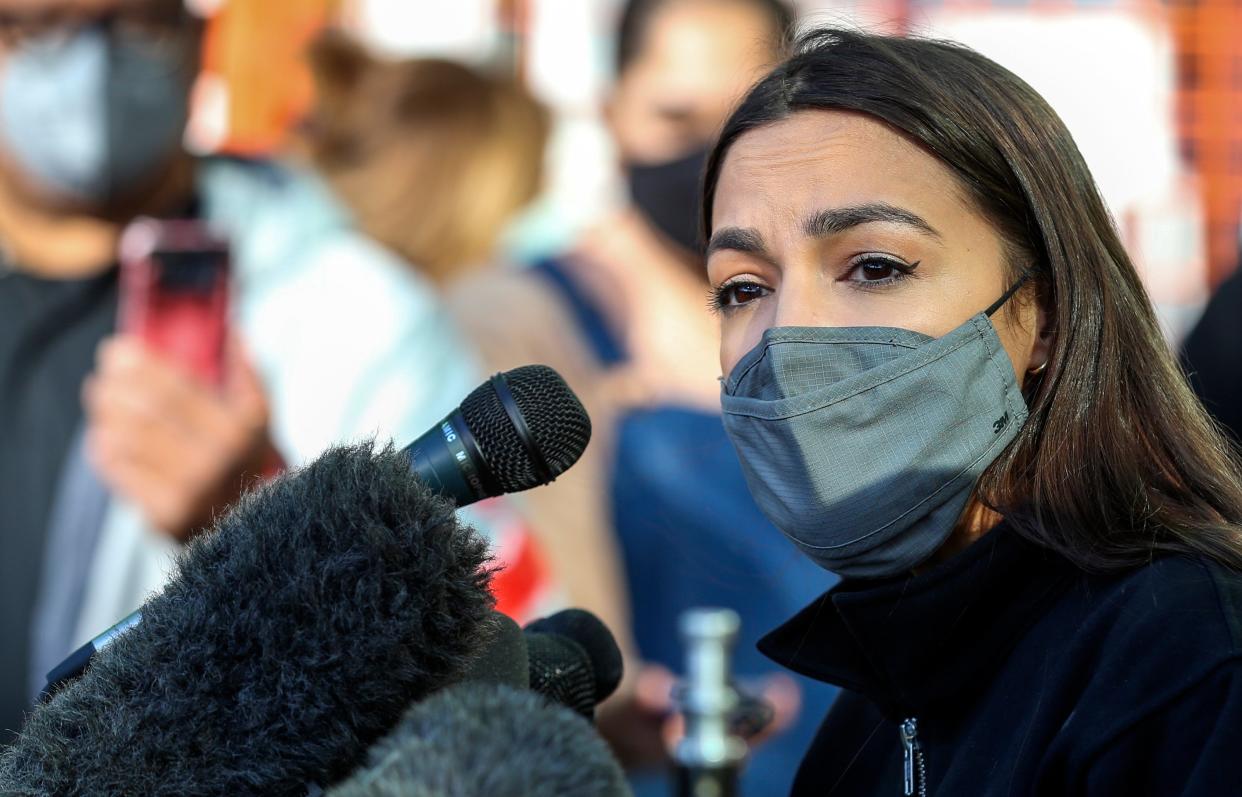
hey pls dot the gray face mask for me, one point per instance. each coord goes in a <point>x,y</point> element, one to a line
<point>90,116</point>
<point>863,444</point>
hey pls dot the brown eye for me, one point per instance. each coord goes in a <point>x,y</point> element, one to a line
<point>876,270</point>
<point>734,294</point>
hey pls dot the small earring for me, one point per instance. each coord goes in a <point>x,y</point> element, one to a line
<point>1039,370</point>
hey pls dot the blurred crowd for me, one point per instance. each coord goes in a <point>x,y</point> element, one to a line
<point>406,213</point>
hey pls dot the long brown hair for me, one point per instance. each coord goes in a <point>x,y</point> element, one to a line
<point>432,156</point>
<point>1118,460</point>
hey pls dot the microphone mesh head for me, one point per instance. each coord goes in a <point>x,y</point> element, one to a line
<point>560,670</point>
<point>558,425</point>
<point>594,640</point>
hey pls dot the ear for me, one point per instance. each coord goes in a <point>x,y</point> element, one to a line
<point>608,109</point>
<point>1041,349</point>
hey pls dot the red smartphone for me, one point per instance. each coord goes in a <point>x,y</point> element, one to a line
<point>175,292</point>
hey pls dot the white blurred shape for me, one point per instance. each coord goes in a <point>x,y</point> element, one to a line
<point>1110,75</point>
<point>208,127</point>
<point>204,8</point>
<point>568,66</point>
<point>567,61</point>
<point>466,30</point>
<point>873,16</point>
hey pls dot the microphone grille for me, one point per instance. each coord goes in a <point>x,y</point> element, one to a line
<point>593,640</point>
<point>558,425</point>
<point>560,670</point>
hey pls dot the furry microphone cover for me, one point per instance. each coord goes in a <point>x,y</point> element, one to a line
<point>291,638</point>
<point>488,740</point>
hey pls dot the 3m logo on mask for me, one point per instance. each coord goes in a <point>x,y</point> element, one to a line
<point>1000,423</point>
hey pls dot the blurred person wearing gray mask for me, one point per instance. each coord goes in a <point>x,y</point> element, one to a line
<point>113,455</point>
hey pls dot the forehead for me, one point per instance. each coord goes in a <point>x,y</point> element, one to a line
<point>703,42</point>
<point>818,159</point>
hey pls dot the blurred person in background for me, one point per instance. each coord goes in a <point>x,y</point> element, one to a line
<point>433,159</point>
<point>624,316</point>
<point>1213,359</point>
<point>112,456</point>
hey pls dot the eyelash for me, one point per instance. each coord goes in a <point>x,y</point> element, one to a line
<point>719,299</point>
<point>722,297</point>
<point>901,271</point>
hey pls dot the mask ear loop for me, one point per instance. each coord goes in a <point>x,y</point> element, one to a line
<point>1007,295</point>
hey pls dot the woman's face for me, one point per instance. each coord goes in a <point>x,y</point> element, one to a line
<point>831,218</point>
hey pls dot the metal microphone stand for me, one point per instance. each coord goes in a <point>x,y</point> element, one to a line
<point>709,757</point>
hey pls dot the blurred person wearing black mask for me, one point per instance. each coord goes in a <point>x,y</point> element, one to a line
<point>623,316</point>
<point>681,67</point>
<point>111,454</point>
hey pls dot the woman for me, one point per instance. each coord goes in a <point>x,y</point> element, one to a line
<point>946,384</point>
<point>433,158</point>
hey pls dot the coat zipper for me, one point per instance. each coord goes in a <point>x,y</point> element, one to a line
<point>915,766</point>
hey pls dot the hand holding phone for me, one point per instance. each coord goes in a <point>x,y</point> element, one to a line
<point>175,292</point>
<point>177,415</point>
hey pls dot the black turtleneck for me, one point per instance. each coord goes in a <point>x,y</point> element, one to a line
<point>1025,676</point>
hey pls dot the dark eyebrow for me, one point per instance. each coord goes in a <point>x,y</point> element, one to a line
<point>835,220</point>
<point>738,239</point>
<point>821,225</point>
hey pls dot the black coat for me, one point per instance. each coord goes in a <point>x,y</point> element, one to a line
<point>1025,676</point>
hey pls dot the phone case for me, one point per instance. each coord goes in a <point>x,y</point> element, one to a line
<point>175,292</point>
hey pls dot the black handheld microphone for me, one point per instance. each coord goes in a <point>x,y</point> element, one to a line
<point>518,430</point>
<point>574,660</point>
<point>570,658</point>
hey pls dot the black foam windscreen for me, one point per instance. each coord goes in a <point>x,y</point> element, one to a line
<point>473,740</point>
<point>557,427</point>
<point>502,656</point>
<point>293,636</point>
